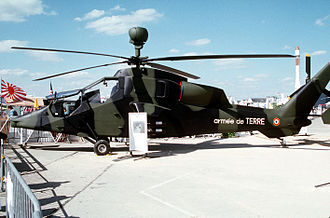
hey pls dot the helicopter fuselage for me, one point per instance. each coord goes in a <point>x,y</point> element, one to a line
<point>174,107</point>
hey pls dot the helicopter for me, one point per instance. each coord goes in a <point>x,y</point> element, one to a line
<point>175,107</point>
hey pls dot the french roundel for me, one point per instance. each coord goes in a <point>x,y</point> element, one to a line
<point>276,121</point>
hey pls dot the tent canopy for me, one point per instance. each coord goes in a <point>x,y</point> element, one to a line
<point>29,102</point>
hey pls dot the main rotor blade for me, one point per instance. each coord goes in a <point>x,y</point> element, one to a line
<point>172,70</point>
<point>201,57</point>
<point>68,51</point>
<point>73,71</point>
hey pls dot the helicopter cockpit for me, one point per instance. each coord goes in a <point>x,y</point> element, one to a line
<point>62,108</point>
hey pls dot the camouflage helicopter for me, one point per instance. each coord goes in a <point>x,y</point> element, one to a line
<point>175,107</point>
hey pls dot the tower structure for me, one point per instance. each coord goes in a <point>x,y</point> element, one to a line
<point>297,83</point>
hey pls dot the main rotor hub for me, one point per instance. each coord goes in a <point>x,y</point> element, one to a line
<point>138,36</point>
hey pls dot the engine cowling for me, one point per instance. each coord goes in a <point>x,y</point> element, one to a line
<point>202,95</point>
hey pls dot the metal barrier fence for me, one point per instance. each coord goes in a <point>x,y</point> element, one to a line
<point>20,201</point>
<point>23,136</point>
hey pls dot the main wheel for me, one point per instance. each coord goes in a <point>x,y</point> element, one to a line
<point>101,147</point>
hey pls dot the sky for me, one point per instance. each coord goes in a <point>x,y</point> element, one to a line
<point>175,28</point>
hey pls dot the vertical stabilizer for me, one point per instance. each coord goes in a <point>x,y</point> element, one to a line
<point>302,102</point>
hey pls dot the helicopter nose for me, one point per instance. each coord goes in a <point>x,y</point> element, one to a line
<point>18,122</point>
<point>29,121</point>
<point>14,123</point>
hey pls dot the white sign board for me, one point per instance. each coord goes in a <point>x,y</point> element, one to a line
<point>138,132</point>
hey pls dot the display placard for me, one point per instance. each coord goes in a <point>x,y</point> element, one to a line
<point>138,133</point>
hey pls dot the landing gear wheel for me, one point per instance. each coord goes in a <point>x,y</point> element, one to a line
<point>101,147</point>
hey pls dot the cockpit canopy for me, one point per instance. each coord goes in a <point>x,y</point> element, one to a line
<point>61,108</point>
<point>70,93</point>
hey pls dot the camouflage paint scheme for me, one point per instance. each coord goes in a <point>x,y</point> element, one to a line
<point>175,107</point>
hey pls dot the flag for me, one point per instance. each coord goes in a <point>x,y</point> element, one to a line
<point>12,92</point>
<point>51,88</point>
<point>36,105</point>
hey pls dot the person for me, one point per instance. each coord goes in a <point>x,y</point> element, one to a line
<point>12,112</point>
<point>65,111</point>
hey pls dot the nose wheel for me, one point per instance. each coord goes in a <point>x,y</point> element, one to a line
<point>102,147</point>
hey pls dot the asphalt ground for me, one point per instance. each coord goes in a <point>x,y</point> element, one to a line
<point>248,176</point>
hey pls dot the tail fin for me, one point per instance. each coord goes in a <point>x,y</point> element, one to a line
<point>302,102</point>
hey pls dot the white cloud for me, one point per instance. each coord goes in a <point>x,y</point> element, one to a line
<point>199,42</point>
<point>196,54</point>
<point>190,54</point>
<point>253,79</point>
<point>76,74</point>
<point>18,10</point>
<point>287,79</point>
<point>224,64</point>
<point>36,75</point>
<point>76,84</point>
<point>117,25</point>
<point>174,51</point>
<point>320,21</point>
<point>287,47</point>
<point>94,14</point>
<point>16,72</point>
<point>115,67</point>
<point>320,52</point>
<point>5,45</point>
<point>45,56</point>
<point>118,8</point>
<point>91,15</point>
<point>261,76</point>
<point>52,13</point>
<point>230,63</point>
<point>250,79</point>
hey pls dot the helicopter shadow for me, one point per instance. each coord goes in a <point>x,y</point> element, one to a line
<point>58,147</point>
<point>163,149</point>
<point>314,141</point>
<point>166,148</point>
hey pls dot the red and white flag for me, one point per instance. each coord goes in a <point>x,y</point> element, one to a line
<point>12,92</point>
<point>51,88</point>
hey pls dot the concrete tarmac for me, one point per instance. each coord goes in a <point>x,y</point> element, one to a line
<point>248,176</point>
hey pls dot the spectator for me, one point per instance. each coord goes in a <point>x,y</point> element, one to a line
<point>12,112</point>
